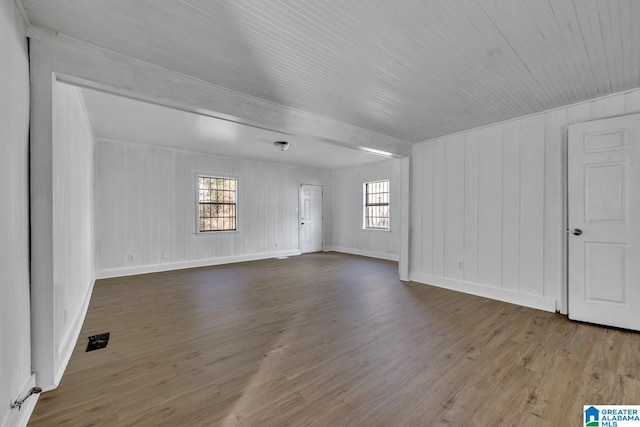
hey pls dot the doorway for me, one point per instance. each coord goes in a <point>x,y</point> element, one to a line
<point>604,221</point>
<point>310,218</point>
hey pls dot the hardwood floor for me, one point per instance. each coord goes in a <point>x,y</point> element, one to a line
<point>330,340</point>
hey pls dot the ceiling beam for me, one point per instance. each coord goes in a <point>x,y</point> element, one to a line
<point>87,65</point>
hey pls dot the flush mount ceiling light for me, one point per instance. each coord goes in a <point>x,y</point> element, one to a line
<point>281,145</point>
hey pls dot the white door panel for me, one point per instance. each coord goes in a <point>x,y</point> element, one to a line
<point>310,218</point>
<point>604,222</point>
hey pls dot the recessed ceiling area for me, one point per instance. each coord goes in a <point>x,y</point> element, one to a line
<point>117,118</point>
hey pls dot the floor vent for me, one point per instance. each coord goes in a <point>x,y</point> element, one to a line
<point>96,342</point>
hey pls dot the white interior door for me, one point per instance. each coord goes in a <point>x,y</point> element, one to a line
<point>604,221</point>
<point>310,218</point>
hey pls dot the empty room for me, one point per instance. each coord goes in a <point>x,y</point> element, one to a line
<point>320,213</point>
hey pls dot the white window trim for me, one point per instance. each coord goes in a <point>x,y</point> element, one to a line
<point>364,206</point>
<point>197,205</point>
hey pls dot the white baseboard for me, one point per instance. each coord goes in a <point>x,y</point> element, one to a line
<point>69,342</point>
<point>505,295</point>
<point>20,417</point>
<point>156,268</point>
<point>370,254</point>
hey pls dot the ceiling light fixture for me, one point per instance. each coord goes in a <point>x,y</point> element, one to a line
<point>281,145</point>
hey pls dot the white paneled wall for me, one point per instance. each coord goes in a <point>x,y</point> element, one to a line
<point>146,209</point>
<point>348,234</point>
<point>73,235</point>
<point>15,346</point>
<point>488,205</point>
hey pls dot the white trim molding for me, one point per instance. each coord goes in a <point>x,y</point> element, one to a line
<point>180,265</point>
<point>500,294</point>
<point>355,251</point>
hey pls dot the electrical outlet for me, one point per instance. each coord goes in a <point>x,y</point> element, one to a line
<point>130,257</point>
<point>275,244</point>
<point>66,316</point>
<point>165,255</point>
<point>461,265</point>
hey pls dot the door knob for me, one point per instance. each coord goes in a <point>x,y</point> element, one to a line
<point>577,231</point>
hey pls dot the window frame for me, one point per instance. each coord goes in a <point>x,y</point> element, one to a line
<point>197,204</point>
<point>365,205</point>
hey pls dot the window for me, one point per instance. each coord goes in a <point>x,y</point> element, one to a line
<point>376,205</point>
<point>216,203</point>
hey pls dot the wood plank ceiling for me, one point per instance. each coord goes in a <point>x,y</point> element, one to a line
<point>409,69</point>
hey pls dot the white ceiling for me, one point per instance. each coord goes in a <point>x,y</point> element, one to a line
<point>115,118</point>
<point>410,69</point>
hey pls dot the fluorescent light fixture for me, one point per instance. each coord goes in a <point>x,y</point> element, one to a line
<point>376,151</point>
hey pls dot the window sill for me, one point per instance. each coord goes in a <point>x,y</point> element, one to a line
<point>215,233</point>
<point>388,230</point>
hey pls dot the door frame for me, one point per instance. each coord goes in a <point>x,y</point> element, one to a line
<point>299,209</point>
<point>563,296</point>
<point>563,303</point>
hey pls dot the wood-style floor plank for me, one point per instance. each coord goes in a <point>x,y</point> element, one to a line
<point>330,340</point>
